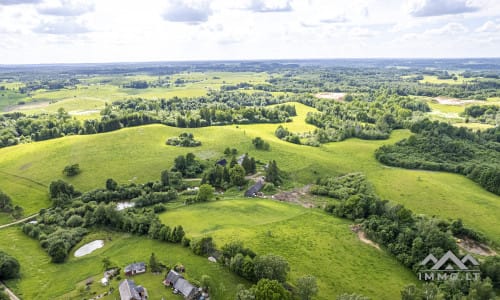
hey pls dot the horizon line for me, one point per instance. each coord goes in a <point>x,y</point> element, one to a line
<point>241,60</point>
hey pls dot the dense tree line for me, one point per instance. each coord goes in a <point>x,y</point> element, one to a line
<point>359,118</point>
<point>367,79</point>
<point>439,146</point>
<point>482,113</point>
<point>409,237</point>
<point>213,109</point>
<point>60,228</point>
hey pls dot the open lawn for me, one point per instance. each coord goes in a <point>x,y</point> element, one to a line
<point>139,154</point>
<point>41,279</point>
<point>312,241</point>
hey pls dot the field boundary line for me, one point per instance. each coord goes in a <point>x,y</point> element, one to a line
<point>25,178</point>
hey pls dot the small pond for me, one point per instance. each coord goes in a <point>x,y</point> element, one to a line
<point>89,248</point>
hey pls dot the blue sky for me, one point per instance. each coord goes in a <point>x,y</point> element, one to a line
<point>63,31</point>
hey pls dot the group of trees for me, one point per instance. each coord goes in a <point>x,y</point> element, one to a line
<point>409,237</point>
<point>217,108</point>
<point>61,227</point>
<point>185,139</point>
<point>260,144</point>
<point>72,170</point>
<point>6,206</point>
<point>439,146</point>
<point>482,113</point>
<point>188,165</point>
<point>9,266</point>
<point>360,118</point>
<point>232,174</point>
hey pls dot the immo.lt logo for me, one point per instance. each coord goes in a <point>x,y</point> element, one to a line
<point>449,267</point>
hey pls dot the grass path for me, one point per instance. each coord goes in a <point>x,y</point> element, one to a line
<point>18,221</point>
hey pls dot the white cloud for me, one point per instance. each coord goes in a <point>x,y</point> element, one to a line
<point>489,26</point>
<point>429,8</point>
<point>67,8</point>
<point>192,12</point>
<point>270,6</point>
<point>131,30</point>
<point>450,29</point>
<point>362,32</point>
<point>16,2</point>
<point>64,26</point>
<point>335,19</point>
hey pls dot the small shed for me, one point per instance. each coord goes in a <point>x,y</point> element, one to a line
<point>222,162</point>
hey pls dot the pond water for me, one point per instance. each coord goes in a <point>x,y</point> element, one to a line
<point>123,205</point>
<point>89,248</point>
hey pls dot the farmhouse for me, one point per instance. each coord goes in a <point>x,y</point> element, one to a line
<point>135,268</point>
<point>180,284</point>
<point>171,278</point>
<point>253,190</point>
<point>130,291</point>
<point>188,290</point>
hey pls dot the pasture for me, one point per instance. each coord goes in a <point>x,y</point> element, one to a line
<point>307,238</point>
<point>41,279</point>
<point>86,99</point>
<point>143,149</point>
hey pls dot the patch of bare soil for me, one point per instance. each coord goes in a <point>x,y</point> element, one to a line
<point>295,196</point>
<point>32,105</point>
<point>362,236</point>
<point>475,247</point>
<point>333,96</point>
<point>255,177</point>
<point>455,101</point>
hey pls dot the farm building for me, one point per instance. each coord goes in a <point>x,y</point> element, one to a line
<point>135,268</point>
<point>241,158</point>
<point>130,291</point>
<point>172,278</point>
<point>222,162</point>
<point>180,284</point>
<point>253,190</point>
<point>187,290</point>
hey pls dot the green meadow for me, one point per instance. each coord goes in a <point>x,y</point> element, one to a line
<point>312,241</point>
<point>89,97</point>
<point>41,279</point>
<point>139,154</point>
<point>435,80</point>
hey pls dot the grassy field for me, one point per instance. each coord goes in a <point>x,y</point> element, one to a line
<point>312,241</point>
<point>142,148</point>
<point>92,94</point>
<point>435,80</point>
<point>41,279</point>
<point>474,126</point>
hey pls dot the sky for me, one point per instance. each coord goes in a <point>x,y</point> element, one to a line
<point>76,31</point>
